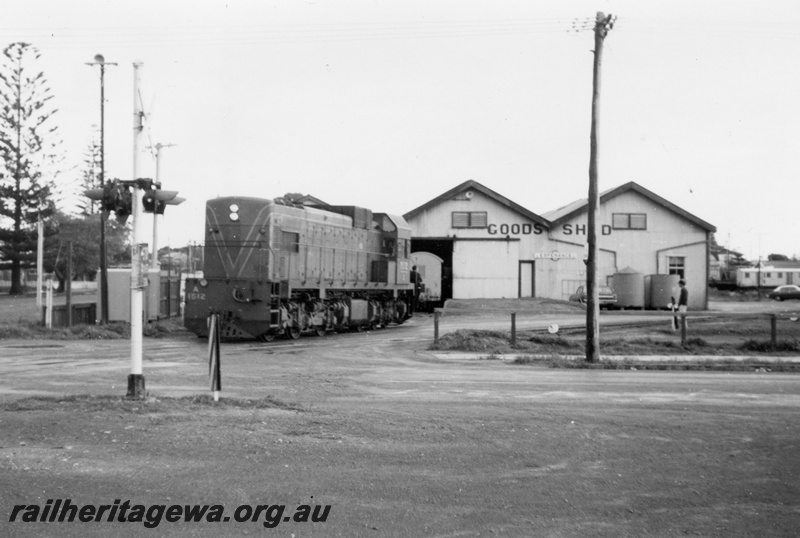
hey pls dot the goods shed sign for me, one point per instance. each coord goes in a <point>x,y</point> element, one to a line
<point>537,229</point>
<point>555,255</point>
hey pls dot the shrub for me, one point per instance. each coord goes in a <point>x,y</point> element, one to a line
<point>467,340</point>
<point>762,345</point>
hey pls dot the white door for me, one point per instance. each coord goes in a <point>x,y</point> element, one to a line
<point>526,284</point>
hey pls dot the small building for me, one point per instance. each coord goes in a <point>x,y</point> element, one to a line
<point>723,265</point>
<point>492,247</point>
<point>769,274</point>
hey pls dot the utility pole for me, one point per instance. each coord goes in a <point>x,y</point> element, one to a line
<point>100,60</point>
<point>154,259</point>
<point>602,26</point>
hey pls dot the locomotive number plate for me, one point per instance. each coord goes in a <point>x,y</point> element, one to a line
<point>196,296</point>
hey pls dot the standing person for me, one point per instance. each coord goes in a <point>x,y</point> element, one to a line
<point>416,279</point>
<point>683,300</point>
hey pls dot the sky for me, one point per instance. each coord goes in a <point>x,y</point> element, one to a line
<point>388,104</point>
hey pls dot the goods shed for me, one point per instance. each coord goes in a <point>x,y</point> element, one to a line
<point>493,247</point>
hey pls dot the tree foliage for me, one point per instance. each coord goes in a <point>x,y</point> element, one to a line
<point>90,176</point>
<point>289,198</point>
<point>29,152</point>
<point>83,232</point>
<point>778,257</point>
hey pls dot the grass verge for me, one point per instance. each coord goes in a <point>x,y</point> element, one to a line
<point>90,403</point>
<point>28,330</point>
<point>725,365</point>
<point>636,341</point>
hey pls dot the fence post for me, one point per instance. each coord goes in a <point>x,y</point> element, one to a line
<point>435,327</point>
<point>773,322</point>
<point>48,315</point>
<point>683,330</point>
<point>68,284</point>
<point>513,329</point>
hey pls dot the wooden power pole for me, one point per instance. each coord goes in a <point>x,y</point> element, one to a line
<point>602,26</point>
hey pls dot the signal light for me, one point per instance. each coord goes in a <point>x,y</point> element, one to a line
<point>121,201</point>
<point>156,200</point>
<point>95,195</point>
<point>114,197</point>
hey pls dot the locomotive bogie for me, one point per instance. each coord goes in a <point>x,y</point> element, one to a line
<point>273,269</point>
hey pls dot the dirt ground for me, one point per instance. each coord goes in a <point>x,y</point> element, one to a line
<point>395,440</point>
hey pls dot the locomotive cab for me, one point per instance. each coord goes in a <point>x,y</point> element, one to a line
<point>394,266</point>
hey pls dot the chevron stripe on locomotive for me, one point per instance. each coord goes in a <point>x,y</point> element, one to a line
<point>273,269</point>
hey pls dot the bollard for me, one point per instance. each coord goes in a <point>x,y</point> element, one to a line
<point>773,322</point>
<point>435,327</point>
<point>683,330</point>
<point>48,316</point>
<point>513,329</point>
<point>214,370</point>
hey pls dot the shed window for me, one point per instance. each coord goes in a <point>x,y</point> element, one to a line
<point>470,219</point>
<point>677,265</point>
<point>629,221</point>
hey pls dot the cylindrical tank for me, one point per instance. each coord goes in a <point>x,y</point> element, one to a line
<point>663,290</point>
<point>629,287</point>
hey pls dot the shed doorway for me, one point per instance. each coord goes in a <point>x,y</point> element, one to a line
<point>442,247</point>
<point>527,278</point>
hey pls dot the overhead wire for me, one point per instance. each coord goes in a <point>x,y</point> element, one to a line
<point>249,34</point>
<point>285,33</point>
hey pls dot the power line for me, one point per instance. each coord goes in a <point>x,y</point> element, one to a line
<point>285,33</point>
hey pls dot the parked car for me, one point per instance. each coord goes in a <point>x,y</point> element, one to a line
<point>789,291</point>
<point>606,296</point>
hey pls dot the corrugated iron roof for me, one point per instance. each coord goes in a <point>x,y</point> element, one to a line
<point>575,208</point>
<point>475,186</point>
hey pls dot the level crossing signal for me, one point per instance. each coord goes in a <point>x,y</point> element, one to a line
<point>116,196</point>
<point>156,200</point>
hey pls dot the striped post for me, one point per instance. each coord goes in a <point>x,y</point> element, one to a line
<point>513,329</point>
<point>214,372</point>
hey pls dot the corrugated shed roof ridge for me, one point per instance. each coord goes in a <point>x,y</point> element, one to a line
<point>566,212</point>
<point>579,206</point>
<point>779,264</point>
<point>476,186</point>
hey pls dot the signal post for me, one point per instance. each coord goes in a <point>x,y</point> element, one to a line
<point>117,196</point>
<point>136,388</point>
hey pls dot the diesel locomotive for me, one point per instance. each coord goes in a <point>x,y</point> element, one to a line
<point>277,269</point>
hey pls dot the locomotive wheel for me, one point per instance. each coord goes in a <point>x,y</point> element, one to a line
<point>266,337</point>
<point>292,332</point>
<point>357,328</point>
<point>320,330</point>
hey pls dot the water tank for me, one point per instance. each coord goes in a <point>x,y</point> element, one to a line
<point>629,287</point>
<point>663,290</point>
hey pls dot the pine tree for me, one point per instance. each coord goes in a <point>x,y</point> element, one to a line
<point>90,175</point>
<point>28,149</point>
